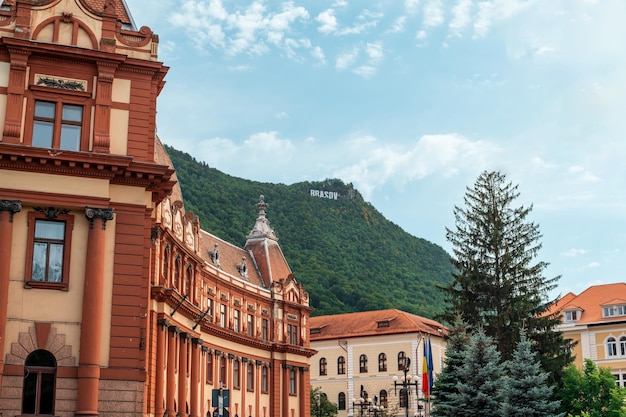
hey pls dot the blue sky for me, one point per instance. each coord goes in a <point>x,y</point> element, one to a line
<point>410,100</point>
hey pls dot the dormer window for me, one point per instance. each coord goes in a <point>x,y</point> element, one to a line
<point>243,268</point>
<point>614,311</point>
<point>571,315</point>
<point>383,323</point>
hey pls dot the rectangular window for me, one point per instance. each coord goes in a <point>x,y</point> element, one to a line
<point>250,325</point>
<point>48,250</point>
<point>209,307</point>
<point>57,125</point>
<point>292,382</point>
<point>236,376</point>
<point>250,378</point>
<point>292,334</point>
<point>265,327</point>
<point>223,315</point>
<point>264,379</point>
<point>209,368</point>
<point>571,315</point>
<point>236,314</point>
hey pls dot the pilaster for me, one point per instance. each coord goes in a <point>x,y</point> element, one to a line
<point>91,324</point>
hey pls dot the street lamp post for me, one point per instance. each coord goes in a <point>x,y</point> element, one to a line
<point>362,403</point>
<point>405,383</point>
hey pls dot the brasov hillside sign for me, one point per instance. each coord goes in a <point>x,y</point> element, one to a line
<point>331,195</point>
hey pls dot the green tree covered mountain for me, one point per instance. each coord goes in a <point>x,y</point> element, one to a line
<point>345,253</point>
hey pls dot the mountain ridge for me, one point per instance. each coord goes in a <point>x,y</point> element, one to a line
<point>346,254</point>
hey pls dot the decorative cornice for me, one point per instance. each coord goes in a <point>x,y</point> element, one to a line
<point>12,206</point>
<point>93,213</point>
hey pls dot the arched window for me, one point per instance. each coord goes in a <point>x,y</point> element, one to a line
<point>341,365</point>
<point>39,383</point>
<point>404,399</point>
<point>188,279</point>
<point>383,398</point>
<point>341,401</point>
<point>363,364</point>
<point>611,346</point>
<point>622,346</point>
<point>382,362</point>
<point>322,366</point>
<point>166,266</point>
<point>177,266</point>
<point>401,361</point>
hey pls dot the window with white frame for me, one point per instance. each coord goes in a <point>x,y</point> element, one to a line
<point>571,315</point>
<point>611,347</point>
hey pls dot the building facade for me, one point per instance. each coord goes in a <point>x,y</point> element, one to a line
<point>113,300</point>
<point>359,354</point>
<point>596,320</point>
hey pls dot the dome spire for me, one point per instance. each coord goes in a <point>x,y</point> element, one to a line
<point>262,227</point>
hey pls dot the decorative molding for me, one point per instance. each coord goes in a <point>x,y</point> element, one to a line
<point>61,83</point>
<point>51,213</point>
<point>12,206</point>
<point>93,213</point>
<point>292,316</point>
<point>251,307</point>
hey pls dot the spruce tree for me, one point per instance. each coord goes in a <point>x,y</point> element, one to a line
<point>445,390</point>
<point>526,389</point>
<point>480,379</point>
<point>498,284</point>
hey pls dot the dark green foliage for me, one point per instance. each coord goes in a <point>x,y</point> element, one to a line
<point>321,405</point>
<point>592,392</point>
<point>445,391</point>
<point>345,253</point>
<point>480,379</point>
<point>527,391</point>
<point>499,285</point>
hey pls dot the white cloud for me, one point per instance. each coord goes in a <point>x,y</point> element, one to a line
<point>574,252</point>
<point>411,6</point>
<point>269,142</point>
<point>493,11</point>
<point>433,13</point>
<point>327,20</point>
<point>461,16</point>
<point>366,71</point>
<point>346,59</point>
<point>211,26</point>
<point>318,54</point>
<point>374,51</point>
<point>281,115</point>
<point>398,25</point>
<point>379,163</point>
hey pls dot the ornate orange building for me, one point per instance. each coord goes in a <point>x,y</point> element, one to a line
<point>113,300</point>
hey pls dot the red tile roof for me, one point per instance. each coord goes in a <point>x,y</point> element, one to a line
<point>367,324</point>
<point>592,300</point>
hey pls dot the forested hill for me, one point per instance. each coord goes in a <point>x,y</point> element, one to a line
<point>345,253</point>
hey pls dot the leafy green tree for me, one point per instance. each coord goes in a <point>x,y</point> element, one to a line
<point>591,393</point>
<point>321,405</point>
<point>527,392</point>
<point>498,285</point>
<point>445,391</point>
<point>480,379</point>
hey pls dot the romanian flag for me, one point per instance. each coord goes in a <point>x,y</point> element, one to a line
<point>427,368</point>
